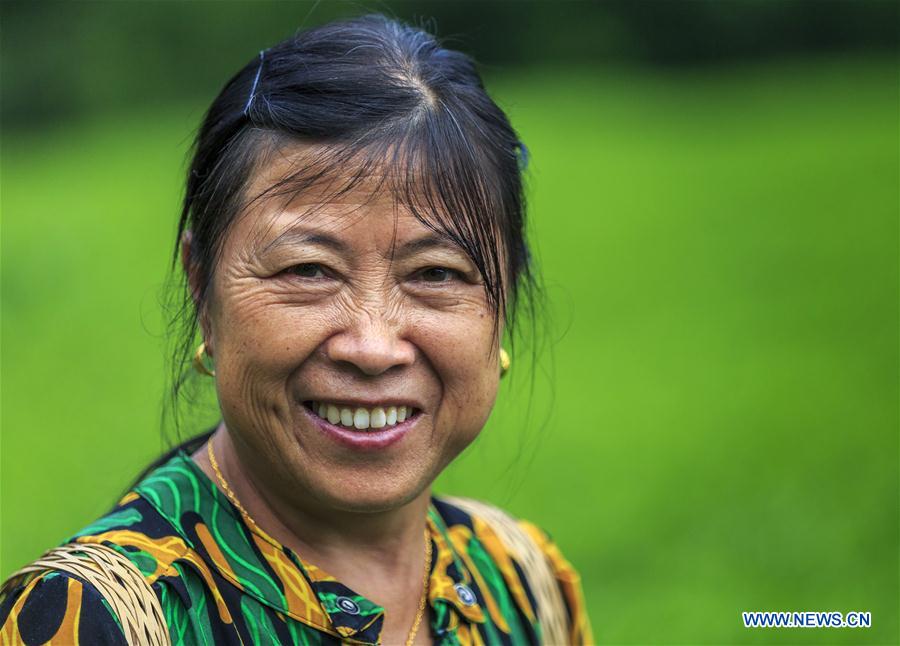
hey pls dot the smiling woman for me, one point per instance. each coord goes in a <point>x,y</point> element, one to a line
<point>338,309</point>
<point>353,247</point>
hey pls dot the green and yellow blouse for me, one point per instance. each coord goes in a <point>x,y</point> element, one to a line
<point>223,581</point>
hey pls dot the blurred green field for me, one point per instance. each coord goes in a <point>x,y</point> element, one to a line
<point>714,426</point>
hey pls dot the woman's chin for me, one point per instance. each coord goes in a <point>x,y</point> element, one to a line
<point>369,497</point>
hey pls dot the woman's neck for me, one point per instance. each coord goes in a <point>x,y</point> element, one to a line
<point>360,549</point>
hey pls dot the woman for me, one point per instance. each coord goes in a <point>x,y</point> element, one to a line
<point>352,239</point>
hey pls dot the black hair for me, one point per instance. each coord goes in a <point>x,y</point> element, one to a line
<point>370,93</point>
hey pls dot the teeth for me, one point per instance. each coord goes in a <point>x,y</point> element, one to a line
<point>362,418</point>
<point>334,415</point>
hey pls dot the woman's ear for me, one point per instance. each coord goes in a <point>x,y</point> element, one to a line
<point>192,272</point>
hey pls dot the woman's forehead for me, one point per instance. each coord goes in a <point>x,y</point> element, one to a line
<point>316,172</point>
<point>354,223</point>
<point>354,213</point>
<point>279,200</point>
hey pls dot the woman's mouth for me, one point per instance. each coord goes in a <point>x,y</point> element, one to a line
<point>360,418</point>
<point>363,429</point>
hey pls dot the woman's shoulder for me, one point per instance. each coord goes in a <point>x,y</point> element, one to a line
<point>63,597</point>
<point>138,531</point>
<point>56,607</point>
<point>516,533</point>
<point>58,596</point>
<point>528,558</point>
<point>150,524</point>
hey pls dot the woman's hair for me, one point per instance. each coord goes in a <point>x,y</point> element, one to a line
<point>383,99</point>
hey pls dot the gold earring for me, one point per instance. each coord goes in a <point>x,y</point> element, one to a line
<point>199,366</point>
<point>504,362</point>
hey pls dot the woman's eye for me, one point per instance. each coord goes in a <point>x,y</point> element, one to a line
<point>307,270</point>
<point>438,275</point>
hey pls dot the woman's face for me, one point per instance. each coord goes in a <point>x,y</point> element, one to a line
<point>310,311</point>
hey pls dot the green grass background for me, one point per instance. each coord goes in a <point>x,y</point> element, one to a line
<point>714,425</point>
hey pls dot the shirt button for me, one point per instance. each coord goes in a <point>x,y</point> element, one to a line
<point>465,594</point>
<point>348,605</point>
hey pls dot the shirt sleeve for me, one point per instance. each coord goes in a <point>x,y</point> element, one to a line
<point>59,607</point>
<point>569,580</point>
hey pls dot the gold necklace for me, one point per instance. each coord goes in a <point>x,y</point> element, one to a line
<point>421,610</point>
<point>237,503</point>
<point>224,484</point>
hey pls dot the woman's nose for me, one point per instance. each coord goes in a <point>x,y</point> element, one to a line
<point>372,345</point>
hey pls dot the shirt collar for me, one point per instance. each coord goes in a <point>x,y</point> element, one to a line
<point>250,559</point>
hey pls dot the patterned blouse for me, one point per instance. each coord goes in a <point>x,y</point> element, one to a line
<point>223,581</point>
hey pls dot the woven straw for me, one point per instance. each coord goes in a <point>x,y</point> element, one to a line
<point>116,579</point>
<point>551,609</point>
